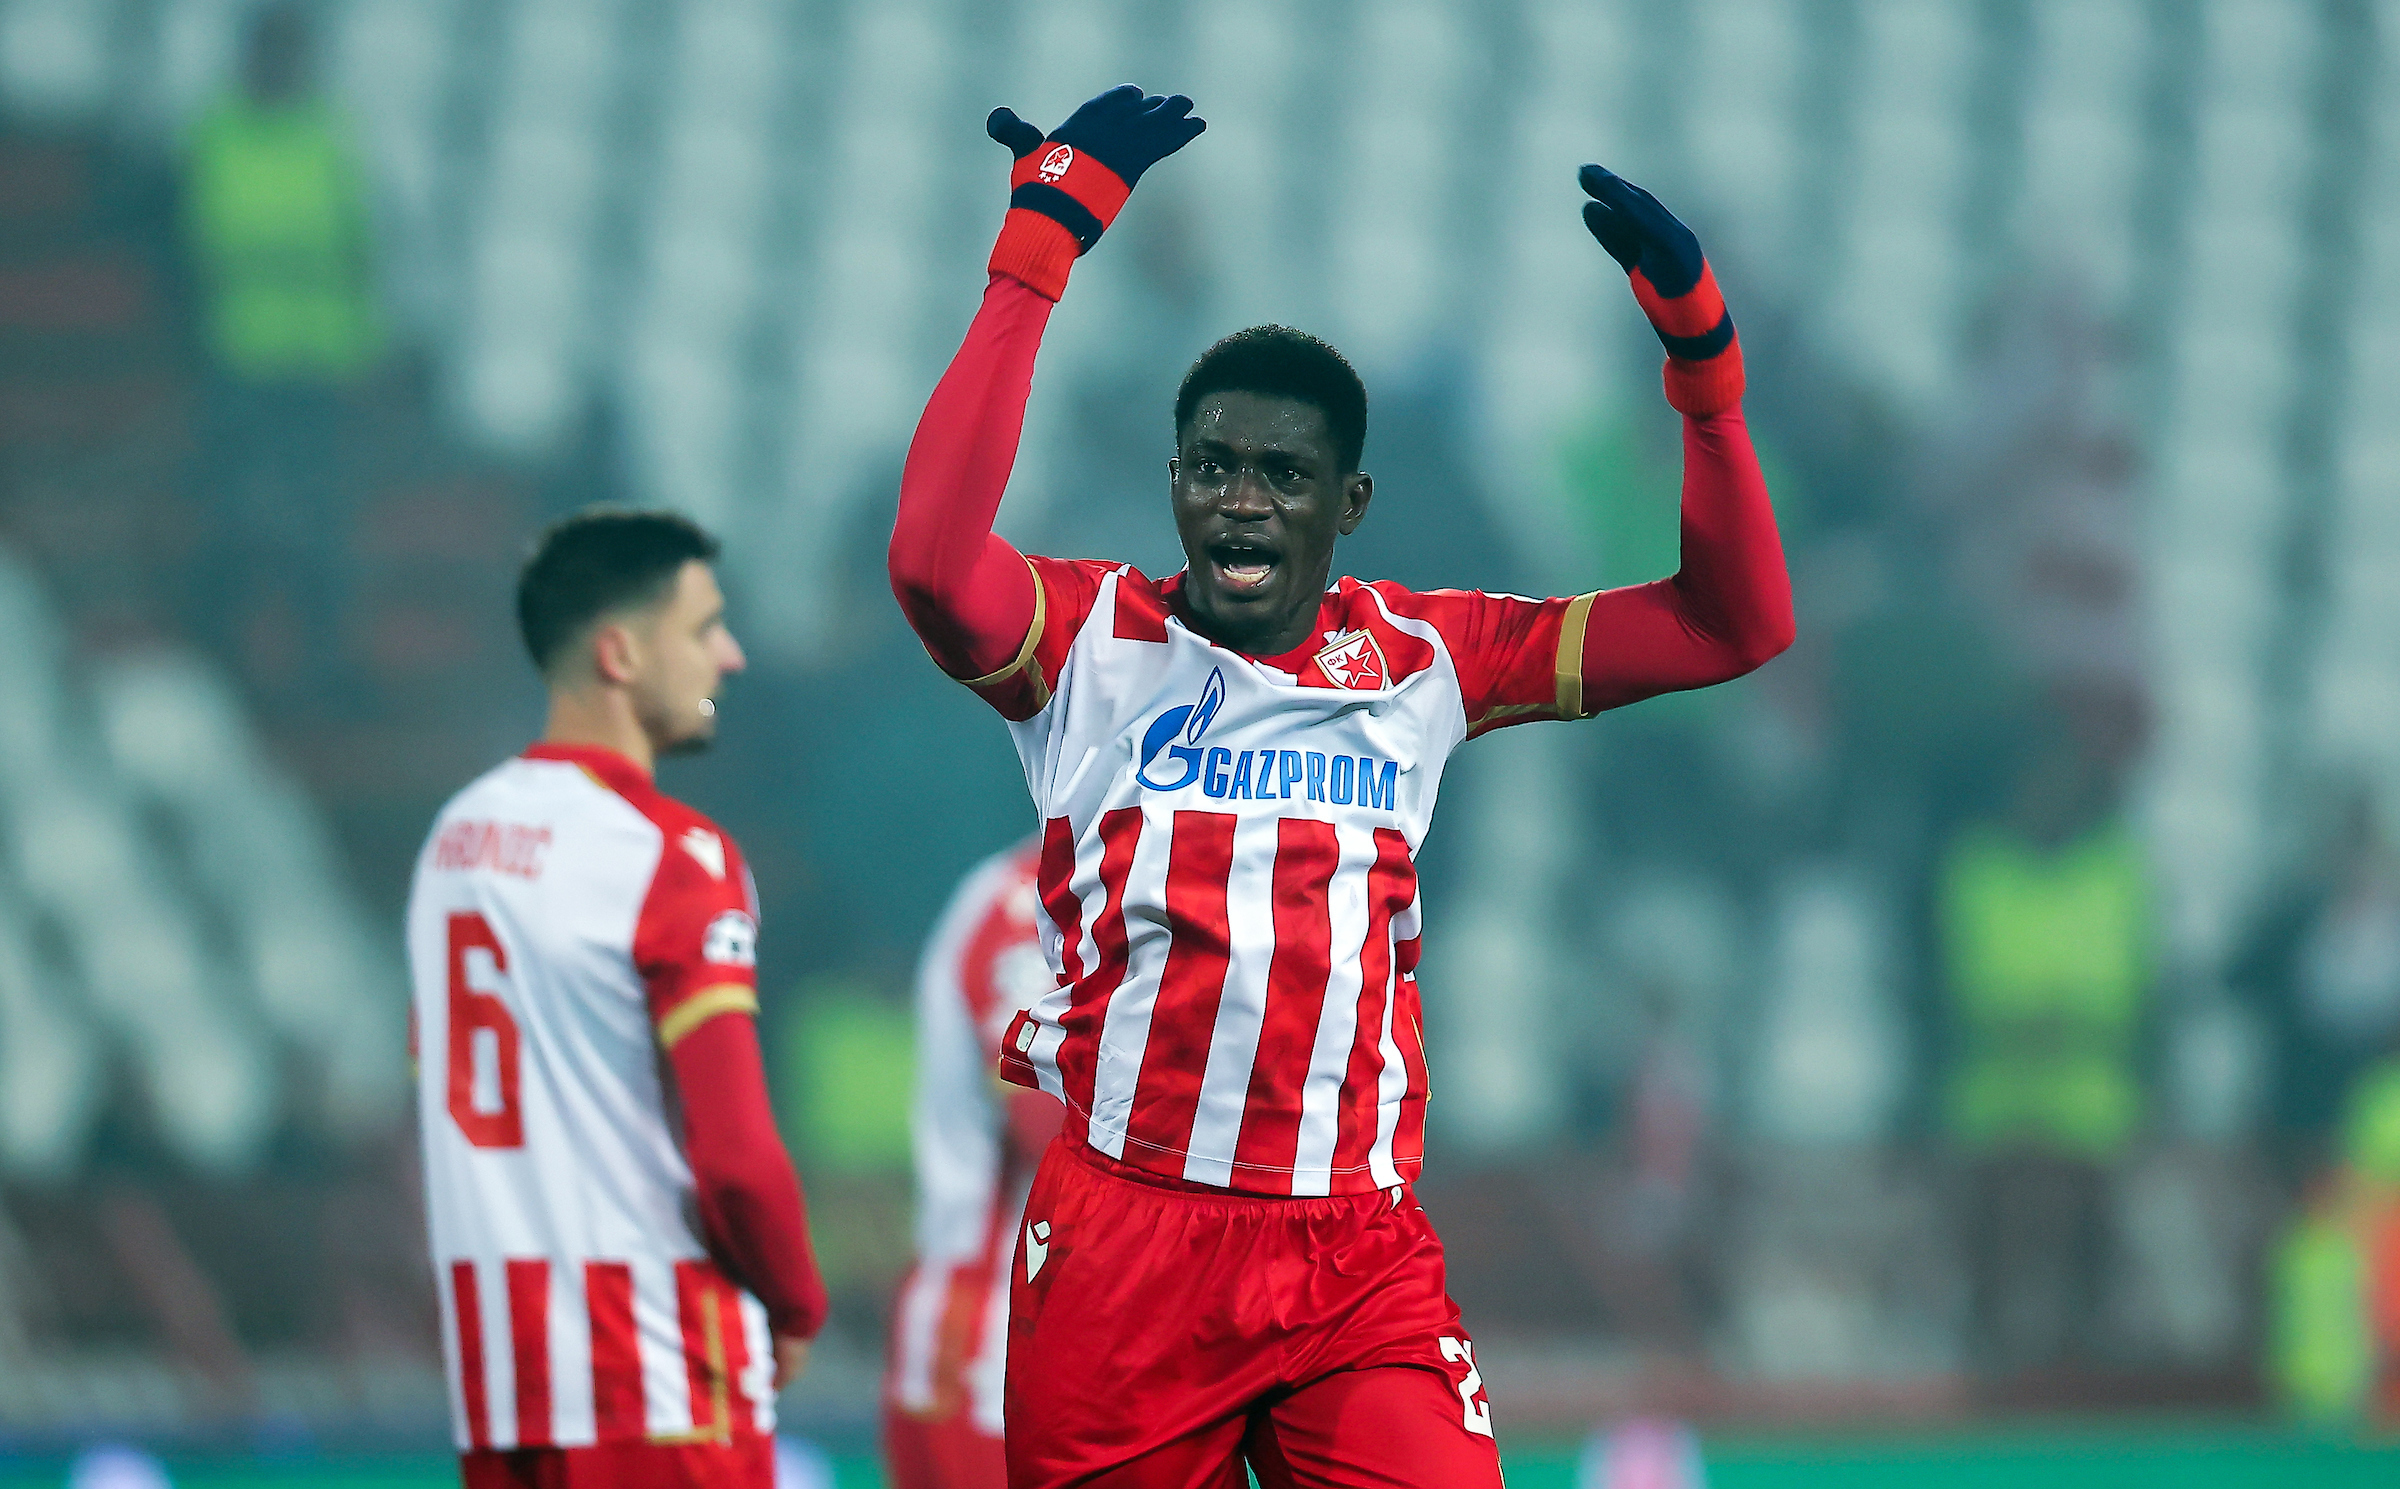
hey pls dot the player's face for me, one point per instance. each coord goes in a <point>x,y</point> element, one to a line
<point>1260,497</point>
<point>685,656</point>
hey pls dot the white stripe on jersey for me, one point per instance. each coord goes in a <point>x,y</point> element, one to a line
<point>1125,1034</point>
<point>913,1325</point>
<point>666,1380</point>
<point>445,1294</point>
<point>758,1374</point>
<point>1241,1004</point>
<point>571,1416</point>
<point>499,1354</point>
<point>1337,1020</point>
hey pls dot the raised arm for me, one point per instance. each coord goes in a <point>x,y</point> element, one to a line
<point>1728,609</point>
<point>967,592</point>
<point>962,586</point>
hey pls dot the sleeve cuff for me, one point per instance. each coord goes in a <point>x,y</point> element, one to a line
<point>1703,388</point>
<point>1035,250</point>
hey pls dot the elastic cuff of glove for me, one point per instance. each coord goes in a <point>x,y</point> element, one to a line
<point>1690,316</point>
<point>1036,250</point>
<point>1703,388</point>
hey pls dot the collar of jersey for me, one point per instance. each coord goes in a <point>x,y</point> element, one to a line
<point>1294,662</point>
<point>606,766</point>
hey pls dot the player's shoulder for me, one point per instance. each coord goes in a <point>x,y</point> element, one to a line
<point>1141,604</point>
<point>695,844</point>
<point>1436,605</point>
<point>603,782</point>
<point>537,786</point>
<point>1404,626</point>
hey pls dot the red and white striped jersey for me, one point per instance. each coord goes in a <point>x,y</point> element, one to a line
<point>982,967</point>
<point>1228,863</point>
<point>566,924</point>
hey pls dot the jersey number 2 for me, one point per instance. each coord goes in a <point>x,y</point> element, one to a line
<point>1478,1413</point>
<point>479,1018</point>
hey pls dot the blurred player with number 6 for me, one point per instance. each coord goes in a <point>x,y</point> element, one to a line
<point>618,1237</point>
<point>1223,1261</point>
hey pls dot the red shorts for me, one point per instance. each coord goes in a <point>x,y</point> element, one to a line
<point>1161,1334</point>
<point>746,1462</point>
<point>940,1452</point>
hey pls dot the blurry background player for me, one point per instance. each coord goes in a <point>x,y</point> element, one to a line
<point>1222,1259</point>
<point>618,1237</point>
<point>976,1143</point>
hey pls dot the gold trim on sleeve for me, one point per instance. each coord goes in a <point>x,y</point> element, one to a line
<point>700,1007</point>
<point>1033,636</point>
<point>1570,655</point>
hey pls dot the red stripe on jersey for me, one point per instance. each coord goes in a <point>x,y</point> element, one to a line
<point>467,1302</point>
<point>1141,610</point>
<point>1408,1032</point>
<point>1391,884</point>
<point>1183,1020</point>
<point>694,1282</point>
<point>617,1412</point>
<point>1057,876</point>
<point>529,1341</point>
<point>1306,854</point>
<point>1087,1008</point>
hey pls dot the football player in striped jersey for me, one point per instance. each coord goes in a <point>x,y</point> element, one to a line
<point>1222,1257</point>
<point>618,1237</point>
<point>975,1143</point>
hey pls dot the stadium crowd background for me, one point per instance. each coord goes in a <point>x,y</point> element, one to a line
<point>1990,1007</point>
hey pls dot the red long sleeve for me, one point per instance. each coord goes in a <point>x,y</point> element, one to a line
<point>963,587</point>
<point>1726,612</point>
<point>751,1211</point>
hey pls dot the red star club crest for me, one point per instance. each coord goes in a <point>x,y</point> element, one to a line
<point>1353,660</point>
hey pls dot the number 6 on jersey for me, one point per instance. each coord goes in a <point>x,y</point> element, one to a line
<point>483,1040</point>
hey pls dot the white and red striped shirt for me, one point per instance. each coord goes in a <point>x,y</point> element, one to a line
<point>1228,864</point>
<point>565,923</point>
<point>975,1144</point>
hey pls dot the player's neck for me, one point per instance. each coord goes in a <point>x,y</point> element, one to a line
<point>599,719</point>
<point>1268,640</point>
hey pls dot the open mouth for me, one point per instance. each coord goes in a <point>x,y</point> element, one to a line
<point>1242,567</point>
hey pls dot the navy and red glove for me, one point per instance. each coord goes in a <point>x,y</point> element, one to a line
<point>1069,185</point>
<point>1672,280</point>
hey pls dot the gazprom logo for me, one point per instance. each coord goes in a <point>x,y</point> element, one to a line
<point>1191,720</point>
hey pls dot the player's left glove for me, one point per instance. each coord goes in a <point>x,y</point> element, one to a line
<point>1672,280</point>
<point>1069,186</point>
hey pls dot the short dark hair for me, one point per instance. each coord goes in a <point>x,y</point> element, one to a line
<point>1279,362</point>
<point>599,561</point>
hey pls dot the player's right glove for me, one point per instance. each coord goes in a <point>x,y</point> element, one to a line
<point>1672,280</point>
<point>1068,186</point>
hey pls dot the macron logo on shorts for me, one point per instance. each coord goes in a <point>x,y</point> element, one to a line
<point>1037,1248</point>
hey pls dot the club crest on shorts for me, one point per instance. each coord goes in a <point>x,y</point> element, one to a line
<point>1353,660</point>
<point>1037,1248</point>
<point>1054,165</point>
